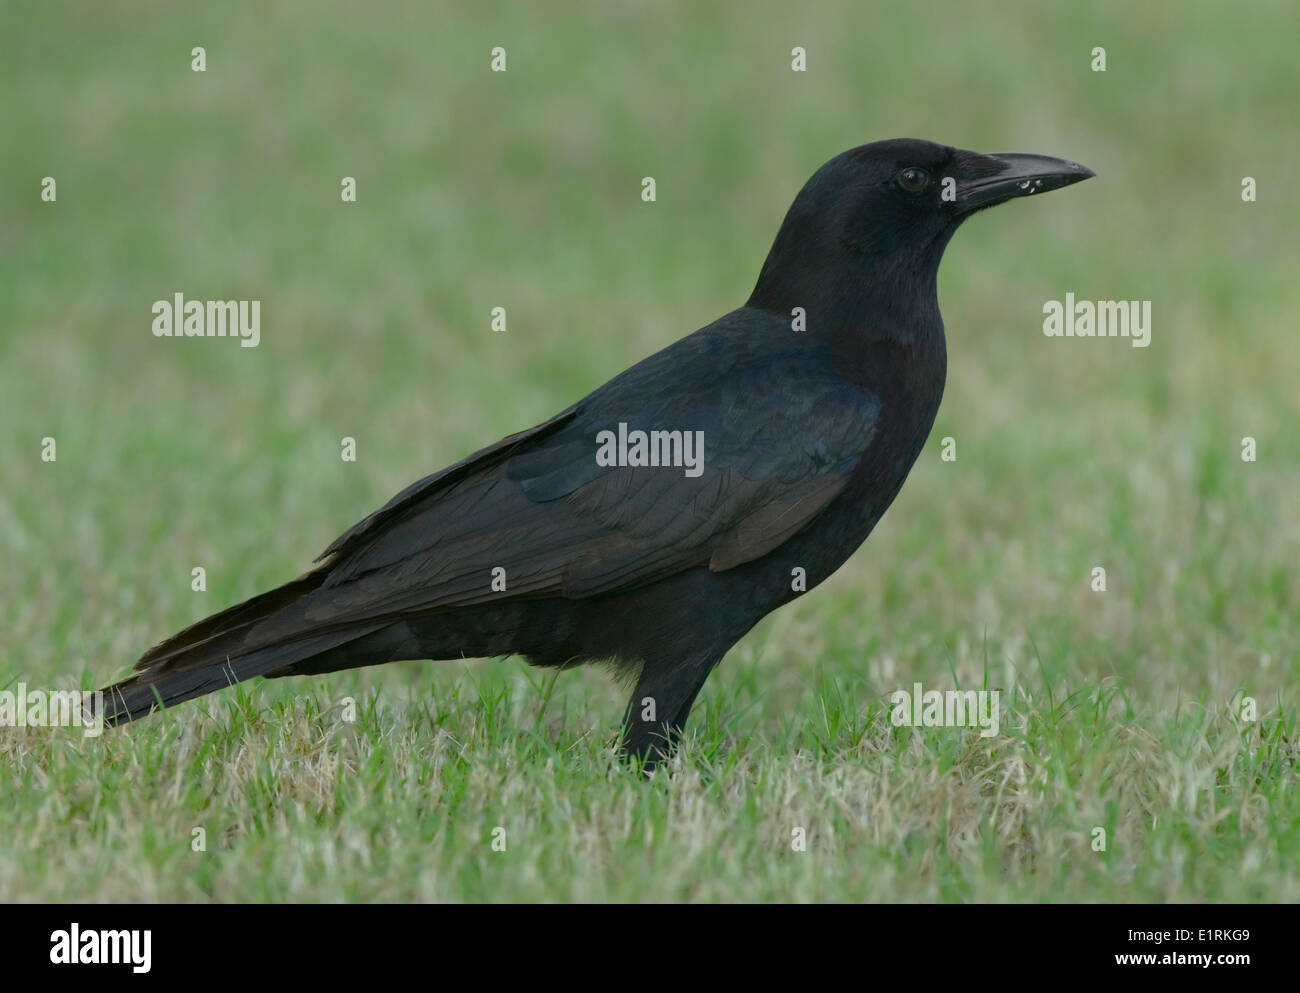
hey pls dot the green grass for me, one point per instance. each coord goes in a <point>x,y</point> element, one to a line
<point>522,190</point>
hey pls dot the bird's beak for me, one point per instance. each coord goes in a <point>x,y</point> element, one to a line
<point>1012,174</point>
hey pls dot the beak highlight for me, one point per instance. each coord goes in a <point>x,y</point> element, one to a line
<point>1020,176</point>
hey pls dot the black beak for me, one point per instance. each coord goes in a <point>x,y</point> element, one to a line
<point>1019,176</point>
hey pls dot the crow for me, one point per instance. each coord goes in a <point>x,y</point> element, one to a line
<point>654,522</point>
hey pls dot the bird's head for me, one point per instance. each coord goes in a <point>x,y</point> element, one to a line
<point>883,213</point>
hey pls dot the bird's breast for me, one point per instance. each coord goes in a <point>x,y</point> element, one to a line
<point>907,376</point>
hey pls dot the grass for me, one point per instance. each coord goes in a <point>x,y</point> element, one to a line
<point>522,190</point>
<point>295,803</point>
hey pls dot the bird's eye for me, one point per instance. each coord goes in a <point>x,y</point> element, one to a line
<point>913,180</point>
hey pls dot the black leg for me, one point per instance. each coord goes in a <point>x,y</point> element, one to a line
<point>657,712</point>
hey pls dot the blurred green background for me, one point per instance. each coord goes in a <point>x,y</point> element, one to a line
<point>522,190</point>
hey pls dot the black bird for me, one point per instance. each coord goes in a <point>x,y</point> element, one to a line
<point>813,400</point>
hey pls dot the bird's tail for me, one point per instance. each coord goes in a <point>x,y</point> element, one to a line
<point>255,638</point>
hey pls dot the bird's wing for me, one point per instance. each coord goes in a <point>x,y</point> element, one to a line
<point>781,433</point>
<point>411,497</point>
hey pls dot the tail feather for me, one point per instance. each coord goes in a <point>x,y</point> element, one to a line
<point>227,648</point>
<point>166,686</point>
<point>233,619</point>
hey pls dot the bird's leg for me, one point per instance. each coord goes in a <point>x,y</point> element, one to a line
<point>657,712</point>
